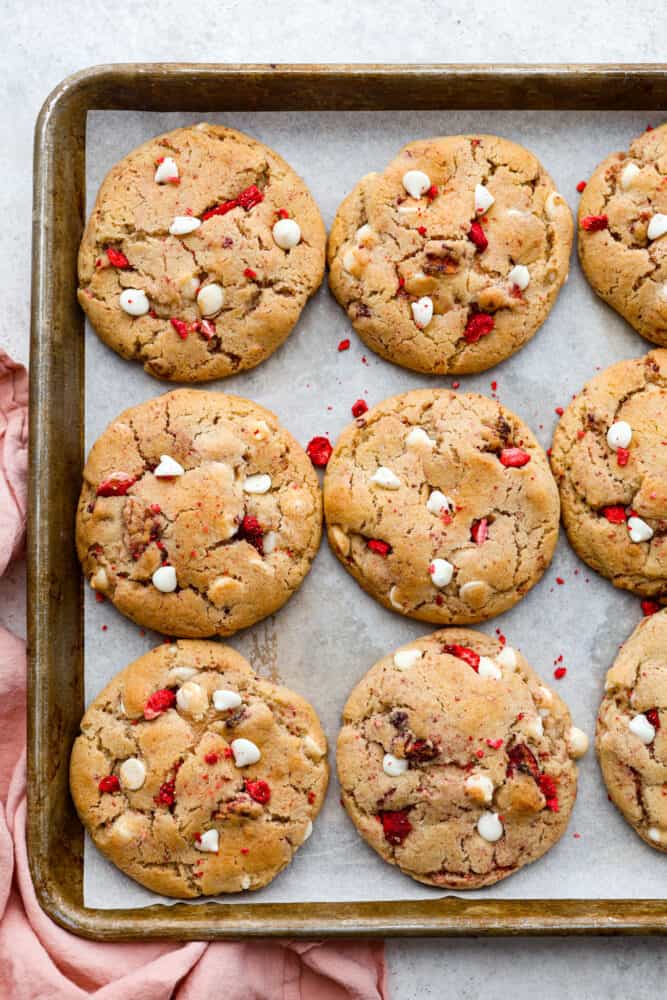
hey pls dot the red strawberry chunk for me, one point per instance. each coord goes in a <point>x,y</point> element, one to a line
<point>117,258</point>
<point>522,758</point>
<point>319,451</point>
<point>622,456</point>
<point>222,209</point>
<point>464,653</point>
<point>166,795</point>
<point>477,236</point>
<point>396,825</point>
<point>653,717</point>
<point>250,197</point>
<point>479,325</point>
<point>252,532</point>
<point>116,485</point>
<point>344,345</point>
<point>359,408</point>
<point>594,223</point>
<point>479,531</point>
<point>649,607</point>
<point>514,458</point>
<point>181,328</point>
<point>259,791</point>
<point>212,757</point>
<point>159,702</point>
<point>381,548</point>
<point>615,514</point>
<point>207,329</point>
<point>109,784</point>
<point>547,786</point>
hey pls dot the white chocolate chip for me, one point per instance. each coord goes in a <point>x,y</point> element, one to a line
<point>407,209</point>
<point>639,530</point>
<point>552,203</point>
<point>210,299</point>
<point>363,233</point>
<point>577,742</point>
<point>260,483</point>
<point>286,234</point>
<point>164,579</point>
<point>422,311</point>
<point>208,842</point>
<point>404,659</point>
<point>245,882</point>
<point>385,478</point>
<point>270,542</point>
<point>439,504</point>
<point>628,175</point>
<point>474,593</point>
<point>312,748</point>
<point>180,675</point>
<point>479,787</point>
<point>350,261</point>
<point>245,752</point>
<point>127,827</point>
<point>619,435</point>
<point>168,467</point>
<point>483,199</point>
<point>416,183</point>
<point>657,227</point>
<point>395,603</point>
<point>507,658</point>
<point>519,276</point>
<point>655,835</point>
<point>418,438</point>
<point>394,766</point>
<point>534,728</point>
<point>132,773</point>
<point>99,580</point>
<point>134,302</point>
<point>488,669</point>
<point>192,699</point>
<point>543,696</point>
<point>441,572</point>
<point>223,700</point>
<point>642,728</point>
<point>489,827</point>
<point>181,225</point>
<point>166,171</point>
<point>308,832</point>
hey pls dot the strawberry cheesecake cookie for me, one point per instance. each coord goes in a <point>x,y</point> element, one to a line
<point>456,762</point>
<point>623,233</point>
<point>441,505</point>
<point>452,257</point>
<point>201,251</point>
<point>194,775</point>
<point>609,457</point>
<point>630,742</point>
<point>199,514</point>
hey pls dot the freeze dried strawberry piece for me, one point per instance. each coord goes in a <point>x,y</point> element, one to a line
<point>109,784</point>
<point>250,530</point>
<point>477,236</point>
<point>559,673</point>
<point>166,795</point>
<point>514,458</point>
<point>212,757</point>
<point>649,607</point>
<point>581,186</point>
<point>547,786</point>
<point>615,514</point>
<point>344,345</point>
<point>359,408</point>
<point>222,209</point>
<point>259,791</point>
<point>382,548</point>
<point>181,328</point>
<point>479,325</point>
<point>159,702</point>
<point>594,223</point>
<point>521,758</point>
<point>117,258</point>
<point>249,273</point>
<point>479,531</point>
<point>653,717</point>
<point>396,825</point>
<point>494,744</point>
<point>319,451</point>
<point>207,329</point>
<point>432,192</point>
<point>422,750</point>
<point>116,485</point>
<point>464,653</point>
<point>622,456</point>
<point>250,197</point>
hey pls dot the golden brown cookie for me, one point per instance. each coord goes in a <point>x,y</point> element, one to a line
<point>609,457</point>
<point>441,506</point>
<point>630,741</point>
<point>456,761</point>
<point>622,233</point>
<point>195,776</point>
<point>200,253</point>
<point>452,257</point>
<point>199,514</point>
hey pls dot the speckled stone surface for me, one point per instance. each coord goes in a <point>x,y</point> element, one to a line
<point>44,49</point>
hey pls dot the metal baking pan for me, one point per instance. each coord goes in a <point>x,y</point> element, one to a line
<point>55,836</point>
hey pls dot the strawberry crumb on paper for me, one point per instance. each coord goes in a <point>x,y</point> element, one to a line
<point>319,451</point>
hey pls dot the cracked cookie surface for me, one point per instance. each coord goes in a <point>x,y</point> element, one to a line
<point>156,779</point>
<point>236,529</point>
<point>614,496</point>
<point>389,250</point>
<point>441,506</point>
<point>623,265</point>
<point>456,762</point>
<point>630,741</point>
<point>264,287</point>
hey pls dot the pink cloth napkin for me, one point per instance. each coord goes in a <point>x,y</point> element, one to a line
<point>39,960</point>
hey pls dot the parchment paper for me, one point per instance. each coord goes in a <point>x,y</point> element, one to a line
<point>330,633</point>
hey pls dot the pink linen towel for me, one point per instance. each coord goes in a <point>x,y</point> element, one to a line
<point>39,960</point>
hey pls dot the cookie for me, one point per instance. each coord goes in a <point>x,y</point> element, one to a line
<point>452,257</point>
<point>200,253</point>
<point>456,762</point>
<point>622,227</point>
<point>194,775</point>
<point>199,514</point>
<point>609,457</point>
<point>441,506</point>
<point>630,741</point>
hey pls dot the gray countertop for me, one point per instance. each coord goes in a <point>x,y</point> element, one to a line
<point>45,43</point>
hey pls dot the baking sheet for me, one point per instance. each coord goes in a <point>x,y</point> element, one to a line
<point>330,633</point>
